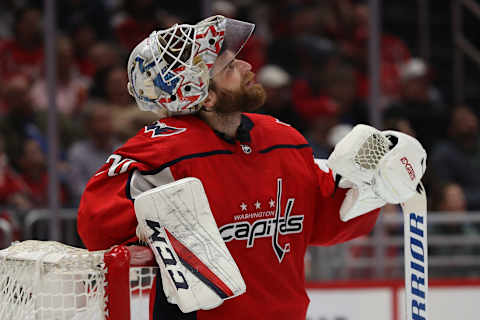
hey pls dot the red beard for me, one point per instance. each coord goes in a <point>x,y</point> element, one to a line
<point>249,97</point>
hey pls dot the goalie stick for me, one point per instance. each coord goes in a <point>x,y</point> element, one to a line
<point>416,255</point>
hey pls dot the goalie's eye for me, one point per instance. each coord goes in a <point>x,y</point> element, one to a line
<point>231,65</point>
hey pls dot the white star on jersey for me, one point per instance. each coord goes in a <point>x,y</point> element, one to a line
<point>257,205</point>
<point>243,206</point>
<point>271,203</point>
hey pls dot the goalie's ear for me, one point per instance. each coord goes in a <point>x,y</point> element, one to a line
<point>210,100</point>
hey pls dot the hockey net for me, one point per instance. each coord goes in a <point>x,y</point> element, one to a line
<point>42,280</point>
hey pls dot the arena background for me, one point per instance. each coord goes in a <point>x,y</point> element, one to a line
<point>327,65</point>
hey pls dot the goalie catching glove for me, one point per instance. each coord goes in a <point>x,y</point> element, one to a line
<point>196,267</point>
<point>379,167</point>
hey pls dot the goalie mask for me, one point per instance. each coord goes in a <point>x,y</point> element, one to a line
<point>170,70</point>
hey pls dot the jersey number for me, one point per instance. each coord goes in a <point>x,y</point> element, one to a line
<point>119,164</point>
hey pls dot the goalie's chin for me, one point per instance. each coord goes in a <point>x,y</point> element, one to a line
<point>257,97</point>
<point>249,98</point>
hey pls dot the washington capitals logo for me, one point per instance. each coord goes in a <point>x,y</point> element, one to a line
<point>160,129</point>
<point>274,227</point>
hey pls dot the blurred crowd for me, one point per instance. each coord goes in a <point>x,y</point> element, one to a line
<point>310,55</point>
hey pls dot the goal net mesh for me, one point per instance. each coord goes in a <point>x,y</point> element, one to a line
<point>50,280</point>
<point>42,280</point>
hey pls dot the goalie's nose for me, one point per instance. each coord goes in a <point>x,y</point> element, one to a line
<point>243,65</point>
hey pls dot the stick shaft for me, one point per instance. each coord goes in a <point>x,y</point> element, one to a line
<point>416,256</point>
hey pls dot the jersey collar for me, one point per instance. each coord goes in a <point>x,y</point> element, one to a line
<point>242,134</point>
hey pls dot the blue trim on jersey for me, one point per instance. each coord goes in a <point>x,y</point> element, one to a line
<point>285,146</point>
<point>171,163</point>
<point>190,156</point>
<point>203,155</point>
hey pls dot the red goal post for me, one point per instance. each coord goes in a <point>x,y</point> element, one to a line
<point>50,280</point>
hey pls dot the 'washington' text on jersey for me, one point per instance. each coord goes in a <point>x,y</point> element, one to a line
<point>272,227</point>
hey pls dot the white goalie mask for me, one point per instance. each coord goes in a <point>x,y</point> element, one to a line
<point>170,70</point>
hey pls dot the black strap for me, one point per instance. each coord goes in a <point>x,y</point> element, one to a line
<point>337,182</point>
<point>163,310</point>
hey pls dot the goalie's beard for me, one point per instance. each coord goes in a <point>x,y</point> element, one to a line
<point>248,98</point>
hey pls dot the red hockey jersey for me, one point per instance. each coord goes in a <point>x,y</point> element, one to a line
<point>268,167</point>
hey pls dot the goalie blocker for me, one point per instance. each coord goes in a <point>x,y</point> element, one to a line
<point>196,267</point>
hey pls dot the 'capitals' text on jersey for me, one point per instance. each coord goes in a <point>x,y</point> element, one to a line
<point>262,228</point>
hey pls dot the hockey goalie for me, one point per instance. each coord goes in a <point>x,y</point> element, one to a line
<point>229,200</point>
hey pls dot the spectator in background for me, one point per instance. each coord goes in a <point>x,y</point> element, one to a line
<point>23,53</point>
<point>115,88</point>
<point>309,88</point>
<point>277,84</point>
<point>426,115</point>
<point>340,22</point>
<point>101,56</point>
<point>449,198</point>
<point>416,79</point>
<point>393,51</point>
<point>337,133</point>
<point>399,124</point>
<point>458,158</point>
<point>137,21</point>
<point>87,155</point>
<point>298,36</point>
<point>324,134</point>
<point>20,121</point>
<point>72,13</point>
<point>224,8</point>
<point>72,87</point>
<point>33,170</point>
<point>7,17</point>
<point>340,84</point>
<point>110,87</point>
<point>84,38</point>
<point>14,198</point>
<point>14,193</point>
